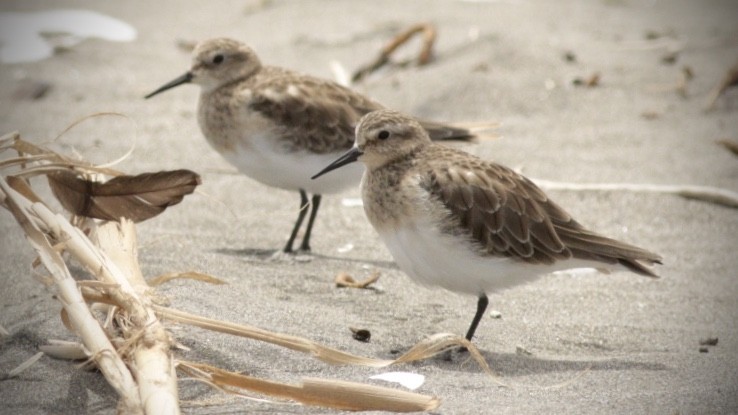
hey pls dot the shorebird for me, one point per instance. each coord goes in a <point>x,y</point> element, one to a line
<point>278,126</point>
<point>453,220</point>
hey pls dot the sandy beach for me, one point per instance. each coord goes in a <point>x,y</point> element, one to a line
<point>610,91</point>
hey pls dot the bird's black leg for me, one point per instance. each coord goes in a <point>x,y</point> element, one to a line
<point>481,306</point>
<point>300,216</point>
<point>305,246</point>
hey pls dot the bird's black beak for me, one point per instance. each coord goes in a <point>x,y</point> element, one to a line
<point>186,78</point>
<point>349,157</point>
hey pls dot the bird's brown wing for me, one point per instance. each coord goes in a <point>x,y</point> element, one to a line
<point>318,114</point>
<point>508,215</point>
<point>446,132</point>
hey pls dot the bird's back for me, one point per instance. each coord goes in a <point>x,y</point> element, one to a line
<point>506,215</point>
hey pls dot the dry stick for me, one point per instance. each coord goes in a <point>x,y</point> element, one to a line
<point>85,325</point>
<point>429,37</point>
<point>715,195</point>
<point>729,80</point>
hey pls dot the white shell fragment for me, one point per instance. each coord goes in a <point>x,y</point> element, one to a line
<point>409,380</point>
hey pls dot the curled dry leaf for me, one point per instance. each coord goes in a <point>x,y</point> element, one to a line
<point>137,197</point>
<point>343,280</point>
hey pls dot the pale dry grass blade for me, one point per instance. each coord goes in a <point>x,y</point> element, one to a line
<point>190,275</point>
<point>23,366</point>
<point>708,194</point>
<point>65,350</point>
<point>344,280</point>
<point>425,349</point>
<point>328,393</point>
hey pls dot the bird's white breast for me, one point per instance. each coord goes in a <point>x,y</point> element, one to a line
<point>436,259</point>
<point>252,143</point>
<point>264,161</point>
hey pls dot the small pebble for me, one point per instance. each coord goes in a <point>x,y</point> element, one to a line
<point>520,350</point>
<point>362,335</point>
<point>495,314</point>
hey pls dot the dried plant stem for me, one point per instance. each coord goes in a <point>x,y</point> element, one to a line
<point>423,350</point>
<point>429,36</point>
<point>84,323</point>
<point>322,392</point>
<point>154,365</point>
<point>714,195</point>
<point>295,343</point>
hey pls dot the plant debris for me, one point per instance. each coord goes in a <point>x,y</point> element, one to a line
<point>31,89</point>
<point>191,275</point>
<point>591,81</point>
<point>424,57</point>
<point>344,280</point>
<point>570,56</point>
<point>731,145</point>
<point>729,80</point>
<point>127,329</point>
<point>716,195</point>
<point>136,198</point>
<point>23,366</point>
<point>709,341</point>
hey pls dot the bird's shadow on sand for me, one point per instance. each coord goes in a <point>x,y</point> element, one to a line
<point>266,255</point>
<point>515,365</point>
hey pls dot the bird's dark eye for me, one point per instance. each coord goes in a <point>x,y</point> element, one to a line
<point>219,58</point>
<point>383,135</point>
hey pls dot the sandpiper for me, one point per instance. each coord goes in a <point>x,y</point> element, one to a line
<point>278,126</point>
<point>453,220</point>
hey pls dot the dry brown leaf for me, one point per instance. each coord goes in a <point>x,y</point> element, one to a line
<point>21,186</point>
<point>197,276</point>
<point>137,197</point>
<point>343,280</point>
<point>329,393</point>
